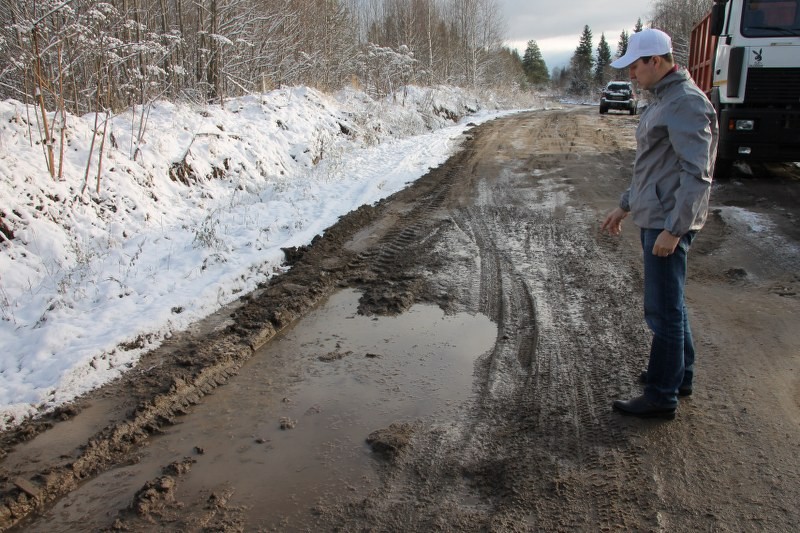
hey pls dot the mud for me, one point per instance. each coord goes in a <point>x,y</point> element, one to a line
<point>446,360</point>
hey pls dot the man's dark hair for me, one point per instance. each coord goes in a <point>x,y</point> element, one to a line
<point>667,57</point>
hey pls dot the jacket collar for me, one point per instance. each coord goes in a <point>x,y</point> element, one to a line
<point>673,77</point>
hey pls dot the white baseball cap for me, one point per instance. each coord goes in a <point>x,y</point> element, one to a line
<point>646,43</point>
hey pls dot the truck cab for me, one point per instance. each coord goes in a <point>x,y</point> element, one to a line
<point>746,56</point>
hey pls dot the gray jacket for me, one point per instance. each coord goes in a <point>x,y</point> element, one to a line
<point>676,147</point>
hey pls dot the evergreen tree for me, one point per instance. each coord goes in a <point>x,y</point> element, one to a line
<point>559,78</point>
<point>534,65</point>
<point>639,27</point>
<point>581,64</point>
<point>622,46</point>
<point>602,71</point>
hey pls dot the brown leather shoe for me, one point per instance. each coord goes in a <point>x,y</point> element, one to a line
<point>644,408</point>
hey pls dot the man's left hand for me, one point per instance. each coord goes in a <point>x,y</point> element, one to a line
<point>665,244</point>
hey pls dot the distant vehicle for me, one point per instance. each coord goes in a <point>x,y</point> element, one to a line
<point>619,95</point>
<point>745,55</point>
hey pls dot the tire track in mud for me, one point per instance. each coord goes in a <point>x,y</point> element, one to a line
<point>567,415</point>
<point>393,256</point>
<point>412,229</point>
<point>561,418</point>
<point>540,447</point>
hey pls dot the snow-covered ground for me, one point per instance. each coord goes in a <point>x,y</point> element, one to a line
<point>89,271</point>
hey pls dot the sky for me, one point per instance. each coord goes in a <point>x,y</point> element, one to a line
<point>148,256</point>
<point>557,26</point>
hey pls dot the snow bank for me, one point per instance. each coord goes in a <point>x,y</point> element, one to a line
<point>194,206</point>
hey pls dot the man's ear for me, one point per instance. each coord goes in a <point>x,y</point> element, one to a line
<point>657,60</point>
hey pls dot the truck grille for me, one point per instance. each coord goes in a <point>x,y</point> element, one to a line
<point>773,86</point>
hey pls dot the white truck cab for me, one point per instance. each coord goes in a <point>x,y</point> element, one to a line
<point>753,47</point>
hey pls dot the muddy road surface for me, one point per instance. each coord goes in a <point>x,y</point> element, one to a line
<point>446,360</point>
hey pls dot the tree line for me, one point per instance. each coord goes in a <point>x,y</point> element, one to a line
<point>590,68</point>
<point>84,55</point>
<point>81,55</point>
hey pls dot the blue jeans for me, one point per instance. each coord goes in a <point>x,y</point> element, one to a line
<point>672,352</point>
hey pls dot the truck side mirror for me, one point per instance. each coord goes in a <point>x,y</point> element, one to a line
<point>718,18</point>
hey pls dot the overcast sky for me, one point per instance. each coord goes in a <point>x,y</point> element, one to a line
<point>556,26</point>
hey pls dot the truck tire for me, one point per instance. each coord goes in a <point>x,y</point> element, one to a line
<point>722,166</point>
<point>633,110</point>
<point>603,110</point>
<point>723,169</point>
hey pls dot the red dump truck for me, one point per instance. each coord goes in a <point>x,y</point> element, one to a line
<point>745,54</point>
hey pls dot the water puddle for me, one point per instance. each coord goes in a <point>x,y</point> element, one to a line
<point>330,381</point>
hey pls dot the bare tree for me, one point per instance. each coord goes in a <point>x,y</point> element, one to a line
<point>677,17</point>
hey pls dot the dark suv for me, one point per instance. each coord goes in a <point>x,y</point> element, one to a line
<point>618,95</point>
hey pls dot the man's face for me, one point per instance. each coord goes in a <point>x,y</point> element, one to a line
<point>645,73</point>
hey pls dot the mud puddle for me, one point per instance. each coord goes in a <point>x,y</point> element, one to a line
<point>320,389</point>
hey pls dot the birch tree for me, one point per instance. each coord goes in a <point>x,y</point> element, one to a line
<point>677,18</point>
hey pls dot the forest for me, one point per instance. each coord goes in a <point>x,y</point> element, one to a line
<point>83,55</point>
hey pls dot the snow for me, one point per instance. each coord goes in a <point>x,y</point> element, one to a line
<point>92,280</point>
<point>761,229</point>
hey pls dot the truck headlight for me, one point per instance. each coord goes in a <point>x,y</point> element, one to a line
<point>742,125</point>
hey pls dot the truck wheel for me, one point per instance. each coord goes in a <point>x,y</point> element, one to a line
<point>603,110</point>
<point>723,169</point>
<point>633,111</point>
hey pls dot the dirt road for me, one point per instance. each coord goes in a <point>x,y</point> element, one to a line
<point>446,361</point>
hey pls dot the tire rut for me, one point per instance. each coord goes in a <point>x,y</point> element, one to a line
<point>539,430</point>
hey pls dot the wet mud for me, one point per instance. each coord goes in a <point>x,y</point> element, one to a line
<point>445,360</point>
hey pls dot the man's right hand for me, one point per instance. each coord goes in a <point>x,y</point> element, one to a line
<point>613,222</point>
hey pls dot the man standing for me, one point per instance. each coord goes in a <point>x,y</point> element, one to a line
<point>668,199</point>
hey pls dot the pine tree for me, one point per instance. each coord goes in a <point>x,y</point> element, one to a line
<point>602,71</point>
<point>582,63</point>
<point>559,78</point>
<point>622,46</point>
<point>639,27</point>
<point>534,65</point>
